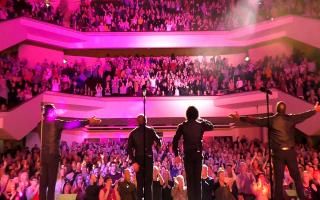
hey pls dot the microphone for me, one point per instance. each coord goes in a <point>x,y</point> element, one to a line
<point>265,90</point>
<point>144,90</point>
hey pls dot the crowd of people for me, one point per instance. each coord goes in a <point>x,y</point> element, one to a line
<point>163,76</point>
<point>164,15</point>
<point>40,10</point>
<point>234,169</point>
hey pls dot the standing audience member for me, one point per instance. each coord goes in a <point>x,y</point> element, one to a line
<point>126,188</point>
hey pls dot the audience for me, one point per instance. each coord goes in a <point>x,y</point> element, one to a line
<point>261,188</point>
<point>163,76</point>
<point>39,10</point>
<point>86,170</point>
<point>165,15</point>
<point>127,189</point>
<point>220,187</point>
<point>207,183</point>
<point>179,190</point>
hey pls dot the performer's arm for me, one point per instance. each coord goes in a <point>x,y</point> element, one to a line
<point>72,124</point>
<point>78,123</point>
<point>259,121</point>
<point>157,139</point>
<point>297,118</point>
<point>206,125</point>
<point>175,141</point>
<point>300,117</point>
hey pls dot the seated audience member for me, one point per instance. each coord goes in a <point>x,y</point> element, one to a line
<point>315,184</point>
<point>179,190</point>
<point>220,187</point>
<point>207,184</point>
<point>92,191</point>
<point>167,185</point>
<point>32,191</point>
<point>157,183</point>
<point>67,187</point>
<point>261,188</point>
<point>107,192</point>
<point>126,188</point>
<point>309,193</point>
<point>12,192</point>
<point>245,179</point>
<point>79,187</point>
<point>113,174</point>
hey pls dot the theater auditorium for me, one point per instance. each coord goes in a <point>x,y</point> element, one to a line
<point>159,99</point>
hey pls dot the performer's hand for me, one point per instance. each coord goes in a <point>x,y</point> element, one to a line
<point>235,116</point>
<point>135,167</point>
<point>177,159</point>
<point>317,107</point>
<point>93,120</point>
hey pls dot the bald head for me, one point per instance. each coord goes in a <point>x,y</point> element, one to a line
<point>141,119</point>
<point>281,107</point>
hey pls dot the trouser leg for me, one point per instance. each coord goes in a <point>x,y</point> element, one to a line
<point>52,176</point>
<point>294,172</point>
<point>279,165</point>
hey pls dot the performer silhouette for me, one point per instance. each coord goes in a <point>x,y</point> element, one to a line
<point>140,143</point>
<point>192,131</point>
<point>282,143</point>
<point>50,135</point>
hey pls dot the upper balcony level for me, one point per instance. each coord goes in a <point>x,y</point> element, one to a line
<point>20,30</point>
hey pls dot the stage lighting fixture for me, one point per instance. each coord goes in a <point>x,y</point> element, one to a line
<point>247,59</point>
<point>65,61</point>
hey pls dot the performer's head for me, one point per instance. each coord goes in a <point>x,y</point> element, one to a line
<point>141,119</point>
<point>49,111</point>
<point>281,107</point>
<point>192,113</point>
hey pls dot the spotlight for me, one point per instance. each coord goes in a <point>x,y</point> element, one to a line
<point>47,4</point>
<point>247,58</point>
<point>65,61</point>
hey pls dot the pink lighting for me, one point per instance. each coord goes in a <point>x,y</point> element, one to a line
<point>68,39</point>
<point>61,112</point>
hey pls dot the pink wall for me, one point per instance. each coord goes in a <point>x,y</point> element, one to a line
<point>273,49</point>
<point>79,135</point>
<point>130,107</point>
<point>311,125</point>
<point>21,120</point>
<point>36,54</point>
<point>8,33</point>
<point>306,30</point>
<point>28,115</point>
